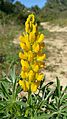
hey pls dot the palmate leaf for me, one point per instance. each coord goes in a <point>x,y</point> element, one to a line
<point>46,115</point>
<point>64,114</point>
<point>5,78</point>
<point>4,116</point>
<point>21,103</point>
<point>63,98</point>
<point>22,117</point>
<point>2,107</point>
<point>64,110</point>
<point>4,91</point>
<point>51,108</point>
<point>13,78</point>
<point>12,74</point>
<point>64,106</point>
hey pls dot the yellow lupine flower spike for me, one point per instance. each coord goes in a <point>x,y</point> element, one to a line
<point>32,57</point>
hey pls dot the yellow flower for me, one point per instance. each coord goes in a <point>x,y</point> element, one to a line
<point>41,38</point>
<point>39,77</point>
<point>31,37</point>
<point>30,24</point>
<point>35,67</point>
<point>22,56</point>
<point>34,28</point>
<point>24,85</point>
<point>24,74</point>
<point>31,75</point>
<point>27,85</point>
<point>31,18</point>
<point>30,56</point>
<point>21,38</point>
<point>23,46</point>
<point>41,57</point>
<point>28,44</point>
<point>27,28</point>
<point>33,87</point>
<point>25,65</point>
<point>35,47</point>
<point>25,38</point>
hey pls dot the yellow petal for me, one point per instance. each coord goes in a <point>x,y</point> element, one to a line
<point>41,57</point>
<point>27,28</point>
<point>33,87</point>
<point>27,85</point>
<point>31,18</point>
<point>34,28</point>
<point>35,47</point>
<point>31,37</point>
<point>25,65</point>
<point>40,77</point>
<point>35,67</point>
<point>22,56</point>
<point>28,45</point>
<point>24,74</point>
<point>23,46</point>
<point>23,84</point>
<point>30,56</point>
<point>41,38</point>
<point>31,75</point>
<point>21,38</point>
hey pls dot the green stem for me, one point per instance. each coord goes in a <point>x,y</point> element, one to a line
<point>30,101</point>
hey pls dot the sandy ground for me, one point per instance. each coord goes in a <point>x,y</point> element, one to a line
<point>56,64</point>
<point>53,28</point>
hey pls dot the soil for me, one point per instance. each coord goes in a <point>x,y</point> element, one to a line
<point>56,63</point>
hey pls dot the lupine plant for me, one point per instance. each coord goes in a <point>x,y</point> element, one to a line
<point>32,58</point>
<point>40,101</point>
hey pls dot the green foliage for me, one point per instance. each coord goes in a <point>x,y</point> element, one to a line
<point>35,9</point>
<point>6,6</point>
<point>10,12</point>
<point>18,7</point>
<point>9,105</point>
<point>46,104</point>
<point>54,9</point>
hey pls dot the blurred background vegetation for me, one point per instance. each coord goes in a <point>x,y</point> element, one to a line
<point>12,18</point>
